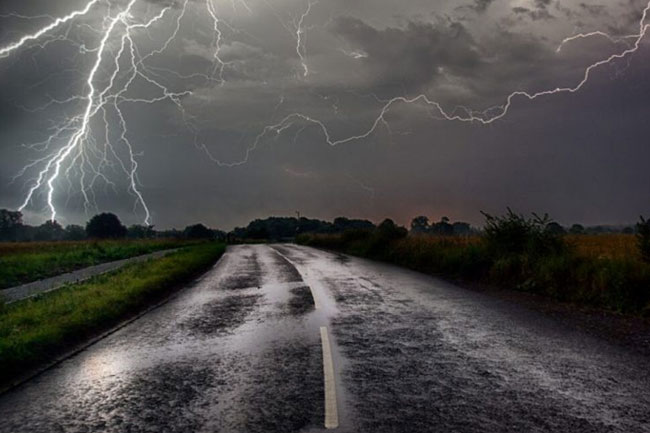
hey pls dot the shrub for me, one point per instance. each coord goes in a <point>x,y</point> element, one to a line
<point>515,234</point>
<point>354,235</point>
<point>389,231</point>
<point>643,239</point>
<point>529,254</point>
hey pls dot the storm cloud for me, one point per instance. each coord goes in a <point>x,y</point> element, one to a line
<point>221,153</point>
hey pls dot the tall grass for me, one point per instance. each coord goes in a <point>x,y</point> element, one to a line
<point>22,263</point>
<point>36,330</point>
<point>605,246</point>
<point>602,271</point>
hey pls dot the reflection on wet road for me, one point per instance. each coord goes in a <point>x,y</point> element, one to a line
<point>241,350</point>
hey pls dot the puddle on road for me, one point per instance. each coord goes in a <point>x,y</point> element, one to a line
<point>301,302</point>
<point>222,315</point>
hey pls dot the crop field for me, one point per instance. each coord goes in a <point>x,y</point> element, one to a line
<point>602,246</point>
<point>605,246</point>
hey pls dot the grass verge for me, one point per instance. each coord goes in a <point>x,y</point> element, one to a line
<point>35,331</point>
<point>25,262</point>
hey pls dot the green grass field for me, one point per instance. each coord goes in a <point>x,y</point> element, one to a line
<point>25,262</point>
<point>37,330</point>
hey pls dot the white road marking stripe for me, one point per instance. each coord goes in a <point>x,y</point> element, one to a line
<point>315,298</point>
<point>313,294</point>
<point>331,409</point>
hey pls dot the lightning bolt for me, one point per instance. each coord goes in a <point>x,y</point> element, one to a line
<point>80,146</point>
<point>5,51</point>
<point>97,138</point>
<point>220,64</point>
<point>612,39</point>
<point>459,114</point>
<point>54,164</point>
<point>300,35</point>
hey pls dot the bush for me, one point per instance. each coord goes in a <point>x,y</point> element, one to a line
<point>643,239</point>
<point>529,254</point>
<point>390,231</point>
<point>354,235</point>
<point>515,234</point>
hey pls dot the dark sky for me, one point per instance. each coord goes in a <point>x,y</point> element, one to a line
<point>208,154</point>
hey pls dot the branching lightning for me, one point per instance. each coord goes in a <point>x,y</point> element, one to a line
<point>300,36</point>
<point>458,114</point>
<point>484,117</point>
<point>5,51</point>
<point>97,138</point>
<point>219,65</point>
<point>80,146</point>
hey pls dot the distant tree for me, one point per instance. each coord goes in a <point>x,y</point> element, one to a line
<point>443,227</point>
<point>25,233</point>
<point>219,235</point>
<point>49,231</point>
<point>628,230</point>
<point>138,231</point>
<point>342,224</point>
<point>643,239</point>
<point>197,231</point>
<point>303,225</point>
<point>388,230</point>
<point>170,233</point>
<point>280,228</point>
<point>256,230</point>
<point>420,224</point>
<point>105,226</point>
<point>10,224</point>
<point>555,228</point>
<point>74,233</point>
<point>577,229</point>
<point>461,229</point>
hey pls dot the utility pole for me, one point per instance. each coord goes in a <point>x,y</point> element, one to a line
<point>298,225</point>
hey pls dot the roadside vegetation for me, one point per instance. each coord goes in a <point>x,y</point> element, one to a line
<point>31,253</point>
<point>533,255</point>
<point>25,262</point>
<point>35,331</point>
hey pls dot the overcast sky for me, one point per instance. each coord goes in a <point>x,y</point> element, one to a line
<point>206,155</point>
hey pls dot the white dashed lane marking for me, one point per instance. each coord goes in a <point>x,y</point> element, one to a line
<point>331,409</point>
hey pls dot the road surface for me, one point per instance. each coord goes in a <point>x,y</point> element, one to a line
<point>288,339</point>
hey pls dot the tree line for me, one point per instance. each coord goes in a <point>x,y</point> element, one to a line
<point>109,226</point>
<point>284,228</point>
<point>102,226</point>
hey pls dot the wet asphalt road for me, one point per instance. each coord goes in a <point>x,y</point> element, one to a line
<point>240,351</point>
